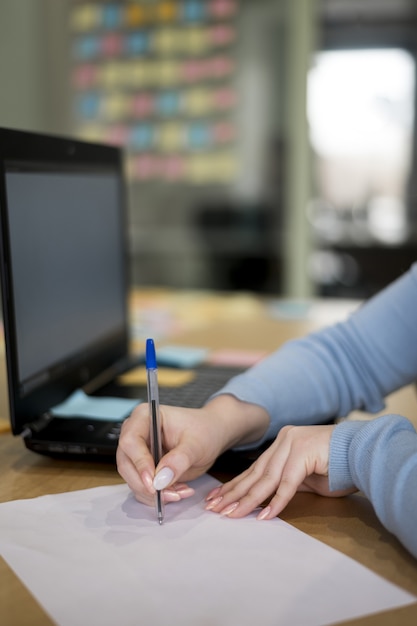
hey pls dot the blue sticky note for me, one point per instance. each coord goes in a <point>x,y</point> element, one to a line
<point>79,404</point>
<point>181,356</point>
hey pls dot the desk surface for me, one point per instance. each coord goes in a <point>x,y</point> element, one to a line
<point>347,524</point>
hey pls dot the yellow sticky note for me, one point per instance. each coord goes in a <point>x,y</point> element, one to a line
<point>195,41</point>
<point>85,17</point>
<point>198,101</point>
<point>171,137</point>
<point>165,41</point>
<point>167,377</point>
<point>115,106</point>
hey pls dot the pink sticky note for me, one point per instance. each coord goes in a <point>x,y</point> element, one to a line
<point>234,357</point>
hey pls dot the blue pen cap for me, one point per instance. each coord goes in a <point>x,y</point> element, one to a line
<point>150,355</point>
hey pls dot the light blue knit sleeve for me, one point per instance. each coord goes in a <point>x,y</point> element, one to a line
<point>379,457</point>
<point>351,365</point>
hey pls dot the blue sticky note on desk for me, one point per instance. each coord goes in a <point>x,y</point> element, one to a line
<point>81,405</point>
<point>181,356</point>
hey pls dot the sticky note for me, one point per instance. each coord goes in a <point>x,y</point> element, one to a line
<point>232,357</point>
<point>79,404</point>
<point>167,377</point>
<point>182,356</point>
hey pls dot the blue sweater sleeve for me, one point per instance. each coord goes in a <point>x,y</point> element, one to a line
<point>379,457</point>
<point>348,366</point>
<point>353,365</point>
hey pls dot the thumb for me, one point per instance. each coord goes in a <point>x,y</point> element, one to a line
<point>171,467</point>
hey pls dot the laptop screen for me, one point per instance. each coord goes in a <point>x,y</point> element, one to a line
<point>64,264</point>
<point>67,264</point>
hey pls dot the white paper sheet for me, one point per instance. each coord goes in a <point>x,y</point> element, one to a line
<point>99,557</point>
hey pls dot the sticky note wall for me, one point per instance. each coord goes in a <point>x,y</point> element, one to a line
<point>159,78</point>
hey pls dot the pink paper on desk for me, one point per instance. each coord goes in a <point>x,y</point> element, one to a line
<point>99,557</point>
<point>232,357</point>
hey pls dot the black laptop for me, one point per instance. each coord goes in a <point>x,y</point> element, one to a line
<point>64,277</point>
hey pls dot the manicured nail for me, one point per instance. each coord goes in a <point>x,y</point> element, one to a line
<point>147,480</point>
<point>229,509</point>
<point>214,503</point>
<point>163,478</point>
<point>170,495</point>
<point>264,513</point>
<point>213,493</point>
<point>185,491</point>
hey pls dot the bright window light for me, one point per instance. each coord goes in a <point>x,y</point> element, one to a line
<point>361,116</point>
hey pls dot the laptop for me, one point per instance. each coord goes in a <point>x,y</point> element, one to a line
<point>64,278</point>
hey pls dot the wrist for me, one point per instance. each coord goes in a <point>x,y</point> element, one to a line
<point>238,422</point>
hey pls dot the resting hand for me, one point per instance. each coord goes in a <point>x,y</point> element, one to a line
<point>192,439</point>
<point>298,460</point>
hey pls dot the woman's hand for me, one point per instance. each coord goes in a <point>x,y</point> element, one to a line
<point>192,439</point>
<point>298,460</point>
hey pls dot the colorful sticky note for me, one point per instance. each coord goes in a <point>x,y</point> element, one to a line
<point>164,41</point>
<point>236,358</point>
<point>86,47</point>
<point>198,135</point>
<point>167,11</point>
<point>135,14</point>
<point>222,35</point>
<point>141,136</point>
<point>198,101</point>
<point>195,41</point>
<point>222,8</point>
<point>85,17</point>
<point>97,408</point>
<point>111,44</point>
<point>87,106</point>
<point>137,43</point>
<point>171,137</point>
<point>114,106</point>
<point>167,377</point>
<point>193,10</point>
<point>111,15</point>
<point>85,76</point>
<point>142,105</point>
<point>167,103</point>
<point>182,356</point>
<point>173,168</point>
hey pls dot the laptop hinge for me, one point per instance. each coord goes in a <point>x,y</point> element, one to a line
<point>36,426</point>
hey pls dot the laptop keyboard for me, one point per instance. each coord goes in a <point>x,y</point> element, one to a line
<point>208,379</point>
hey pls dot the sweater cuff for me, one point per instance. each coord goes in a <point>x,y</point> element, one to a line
<point>339,472</point>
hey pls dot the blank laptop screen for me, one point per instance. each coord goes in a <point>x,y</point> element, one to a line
<point>66,243</point>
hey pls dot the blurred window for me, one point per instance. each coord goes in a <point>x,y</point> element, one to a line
<point>361,116</point>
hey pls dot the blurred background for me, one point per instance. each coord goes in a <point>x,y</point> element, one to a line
<point>270,144</point>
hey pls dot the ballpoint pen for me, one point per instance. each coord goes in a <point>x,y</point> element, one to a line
<point>153,400</point>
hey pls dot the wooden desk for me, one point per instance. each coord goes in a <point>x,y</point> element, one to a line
<point>347,524</point>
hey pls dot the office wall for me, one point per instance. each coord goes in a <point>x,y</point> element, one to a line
<point>33,65</point>
<point>22,67</point>
<point>221,236</point>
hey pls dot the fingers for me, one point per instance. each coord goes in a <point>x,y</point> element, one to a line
<point>296,454</point>
<point>246,492</point>
<point>135,462</point>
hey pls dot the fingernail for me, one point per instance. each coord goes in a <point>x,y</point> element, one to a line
<point>264,513</point>
<point>214,503</point>
<point>185,491</point>
<point>163,478</point>
<point>212,494</point>
<point>147,480</point>
<point>171,496</point>
<point>229,509</point>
